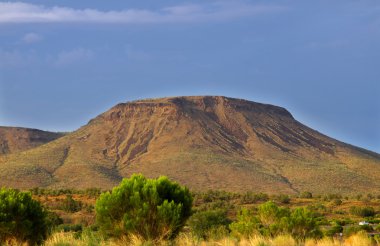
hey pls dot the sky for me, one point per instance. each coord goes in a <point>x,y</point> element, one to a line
<point>64,62</point>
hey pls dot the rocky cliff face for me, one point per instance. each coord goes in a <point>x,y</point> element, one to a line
<point>203,142</point>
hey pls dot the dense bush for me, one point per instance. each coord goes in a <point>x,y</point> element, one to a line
<point>53,220</point>
<point>303,224</point>
<point>272,220</point>
<point>209,224</point>
<point>71,205</point>
<point>335,229</point>
<point>150,208</point>
<point>21,218</point>
<point>70,228</point>
<point>362,211</point>
<point>350,230</point>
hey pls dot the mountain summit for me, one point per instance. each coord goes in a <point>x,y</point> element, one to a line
<point>204,142</point>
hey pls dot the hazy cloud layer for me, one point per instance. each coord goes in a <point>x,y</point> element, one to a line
<point>31,38</point>
<point>20,12</point>
<point>73,56</point>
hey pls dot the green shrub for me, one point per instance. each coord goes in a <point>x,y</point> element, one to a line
<point>302,224</point>
<point>217,195</point>
<point>245,225</point>
<point>269,213</point>
<point>226,205</point>
<point>330,197</point>
<point>350,230</point>
<point>250,197</point>
<point>206,224</point>
<point>362,211</point>
<point>334,230</point>
<point>53,220</point>
<point>337,202</point>
<point>306,194</point>
<point>150,208</point>
<point>93,192</point>
<point>272,220</point>
<point>21,218</point>
<point>284,199</point>
<point>70,228</point>
<point>71,205</point>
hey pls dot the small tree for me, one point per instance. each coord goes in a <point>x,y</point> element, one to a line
<point>22,219</point>
<point>151,208</point>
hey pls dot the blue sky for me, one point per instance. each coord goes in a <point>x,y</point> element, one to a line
<point>64,62</point>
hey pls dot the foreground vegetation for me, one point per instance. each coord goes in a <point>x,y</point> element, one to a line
<point>142,211</point>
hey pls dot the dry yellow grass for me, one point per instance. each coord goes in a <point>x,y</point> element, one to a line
<point>323,242</point>
<point>283,240</point>
<point>359,239</point>
<point>63,239</point>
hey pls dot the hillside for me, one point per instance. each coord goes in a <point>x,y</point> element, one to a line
<point>202,142</point>
<point>17,139</point>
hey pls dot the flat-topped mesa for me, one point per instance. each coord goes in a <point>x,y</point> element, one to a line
<point>203,142</point>
<point>191,104</point>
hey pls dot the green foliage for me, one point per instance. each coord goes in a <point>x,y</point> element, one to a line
<point>362,211</point>
<point>246,224</point>
<point>270,214</point>
<point>71,205</point>
<point>209,224</point>
<point>151,208</point>
<point>21,218</point>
